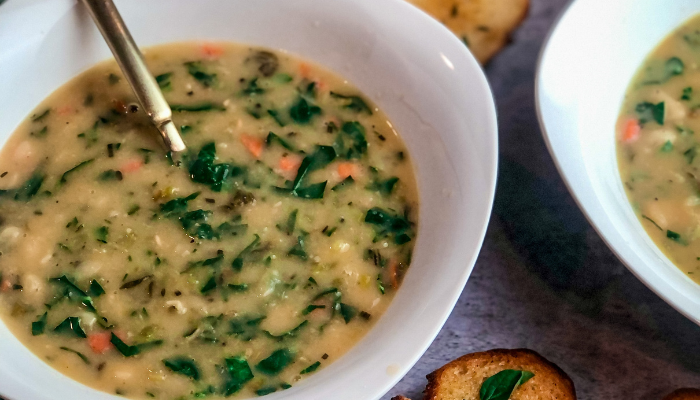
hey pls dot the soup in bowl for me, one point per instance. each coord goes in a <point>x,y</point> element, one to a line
<point>293,127</point>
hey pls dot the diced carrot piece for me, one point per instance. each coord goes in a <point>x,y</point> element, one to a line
<point>290,162</point>
<point>393,272</point>
<point>304,70</point>
<point>346,169</point>
<point>131,166</point>
<point>5,285</point>
<point>100,342</point>
<point>253,144</point>
<point>212,50</point>
<point>64,110</point>
<point>631,131</point>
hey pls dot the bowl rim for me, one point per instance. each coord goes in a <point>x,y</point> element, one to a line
<point>675,299</point>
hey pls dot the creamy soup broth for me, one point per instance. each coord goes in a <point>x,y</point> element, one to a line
<point>657,144</point>
<point>255,258</point>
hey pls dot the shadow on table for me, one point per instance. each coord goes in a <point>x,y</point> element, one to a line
<point>549,231</point>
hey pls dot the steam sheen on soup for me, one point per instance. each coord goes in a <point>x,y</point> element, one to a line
<point>257,257</point>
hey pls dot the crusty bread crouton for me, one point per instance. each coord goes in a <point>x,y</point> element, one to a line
<point>483,25</point>
<point>684,394</point>
<point>462,378</point>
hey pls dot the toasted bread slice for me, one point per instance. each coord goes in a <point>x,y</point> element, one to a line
<point>684,394</point>
<point>483,25</point>
<point>462,378</point>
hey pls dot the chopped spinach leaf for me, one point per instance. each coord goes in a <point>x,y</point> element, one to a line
<point>690,154</point>
<point>245,327</point>
<point>65,175</point>
<point>176,207</point>
<point>133,283</point>
<point>676,237</point>
<point>133,209</point>
<point>345,183</point>
<point>237,264</point>
<point>667,147</point>
<point>70,326</point>
<point>237,374</point>
<point>282,78</point>
<point>102,234</point>
<point>27,190</point>
<point>311,307</point>
<point>355,103</point>
<point>684,131</point>
<point>253,88</point>
<point>272,139</point>
<point>197,107</point>
<point>387,224</point>
<point>39,325</point>
<point>39,117</point>
<point>194,223</point>
<point>501,385</point>
<point>652,221</point>
<point>110,175</point>
<point>77,353</point>
<point>209,286</point>
<point>197,71</point>
<point>241,287</point>
<point>40,133</point>
<point>276,362</point>
<point>96,289</point>
<point>674,66</point>
<point>164,81</point>
<point>276,116</point>
<point>687,94</point>
<point>380,284</point>
<point>651,112</point>
<point>265,390</point>
<point>184,366</point>
<point>351,141</point>
<point>204,170</point>
<point>213,262</point>
<point>288,226</point>
<point>126,350</point>
<point>289,334</point>
<point>348,312</point>
<point>311,368</point>
<point>384,187</point>
<point>322,156</point>
<point>302,112</point>
<point>299,249</point>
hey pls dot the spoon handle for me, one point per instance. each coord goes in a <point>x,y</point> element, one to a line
<point>131,62</point>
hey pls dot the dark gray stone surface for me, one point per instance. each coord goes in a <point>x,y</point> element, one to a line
<point>544,279</point>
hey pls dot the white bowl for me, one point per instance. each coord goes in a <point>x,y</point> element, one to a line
<point>585,68</point>
<point>413,68</point>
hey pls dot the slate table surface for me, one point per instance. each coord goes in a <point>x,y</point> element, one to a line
<point>544,279</point>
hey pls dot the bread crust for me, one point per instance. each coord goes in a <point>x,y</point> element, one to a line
<point>549,382</point>
<point>484,25</point>
<point>684,394</point>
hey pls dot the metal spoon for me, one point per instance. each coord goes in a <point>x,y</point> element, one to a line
<point>131,62</point>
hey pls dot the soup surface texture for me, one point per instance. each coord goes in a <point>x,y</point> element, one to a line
<point>658,144</point>
<point>256,257</point>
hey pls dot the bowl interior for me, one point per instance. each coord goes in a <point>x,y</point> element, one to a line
<point>423,78</point>
<point>581,83</point>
